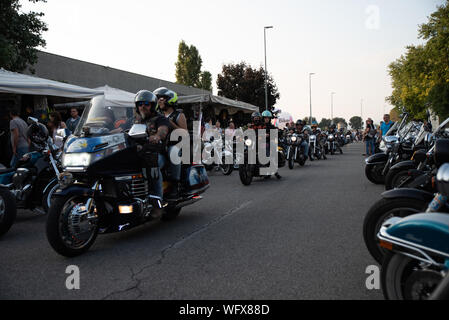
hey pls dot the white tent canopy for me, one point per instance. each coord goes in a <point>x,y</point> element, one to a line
<point>12,82</point>
<point>231,105</point>
<point>117,97</point>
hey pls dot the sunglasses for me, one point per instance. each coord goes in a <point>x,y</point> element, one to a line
<point>143,103</point>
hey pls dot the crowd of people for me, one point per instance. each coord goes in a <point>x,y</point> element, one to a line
<point>14,134</point>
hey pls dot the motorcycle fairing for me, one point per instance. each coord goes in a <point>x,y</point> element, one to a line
<point>94,144</point>
<point>424,231</point>
<point>377,158</point>
<point>408,193</point>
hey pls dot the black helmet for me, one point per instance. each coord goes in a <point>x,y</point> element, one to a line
<point>147,97</point>
<point>169,95</point>
<point>333,126</point>
<point>299,123</point>
<point>38,134</point>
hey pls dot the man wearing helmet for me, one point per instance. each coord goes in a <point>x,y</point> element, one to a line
<point>301,130</point>
<point>157,129</point>
<point>167,102</point>
<point>268,126</point>
<point>319,138</point>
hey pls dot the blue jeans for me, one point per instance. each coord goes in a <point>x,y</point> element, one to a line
<point>370,147</point>
<point>305,145</point>
<point>20,153</point>
<point>174,170</point>
<point>156,184</point>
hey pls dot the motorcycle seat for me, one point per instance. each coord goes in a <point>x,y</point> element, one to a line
<point>7,170</point>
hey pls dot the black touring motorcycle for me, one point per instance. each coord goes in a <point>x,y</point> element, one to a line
<point>104,188</point>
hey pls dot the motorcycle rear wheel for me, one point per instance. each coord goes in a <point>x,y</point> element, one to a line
<point>404,278</point>
<point>8,210</point>
<point>60,235</point>
<point>170,214</point>
<point>382,211</point>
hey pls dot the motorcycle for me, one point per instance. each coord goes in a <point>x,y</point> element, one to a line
<point>32,183</point>
<point>224,151</point>
<point>401,203</point>
<point>295,152</point>
<point>315,150</point>
<point>333,144</point>
<point>420,169</point>
<point>105,185</point>
<point>247,170</point>
<point>399,148</point>
<point>418,250</point>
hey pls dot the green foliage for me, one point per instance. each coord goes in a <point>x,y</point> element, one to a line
<point>356,123</point>
<point>206,81</point>
<point>20,35</point>
<point>242,82</point>
<point>340,120</point>
<point>325,124</point>
<point>420,78</point>
<point>188,68</point>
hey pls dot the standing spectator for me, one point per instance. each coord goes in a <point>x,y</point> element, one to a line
<point>19,139</point>
<point>57,122</point>
<point>218,127</point>
<point>370,137</point>
<point>230,131</point>
<point>208,124</point>
<point>385,126</point>
<point>74,119</point>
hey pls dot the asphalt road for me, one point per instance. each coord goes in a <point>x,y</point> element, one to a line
<point>295,239</point>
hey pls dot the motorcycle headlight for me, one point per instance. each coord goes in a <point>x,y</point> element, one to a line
<point>76,160</point>
<point>331,137</point>
<point>294,139</point>
<point>248,142</point>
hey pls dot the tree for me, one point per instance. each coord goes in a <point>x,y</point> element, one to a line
<point>188,66</point>
<point>242,82</point>
<point>420,78</point>
<point>340,120</point>
<point>356,123</point>
<point>206,81</point>
<point>306,120</point>
<point>20,35</point>
<point>325,124</point>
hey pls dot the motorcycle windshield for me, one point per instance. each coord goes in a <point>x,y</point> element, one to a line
<point>100,118</point>
<point>444,127</point>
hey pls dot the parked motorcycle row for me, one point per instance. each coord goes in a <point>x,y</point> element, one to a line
<point>407,230</point>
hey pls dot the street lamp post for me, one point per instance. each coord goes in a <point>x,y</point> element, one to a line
<point>310,86</point>
<point>332,107</point>
<point>266,73</point>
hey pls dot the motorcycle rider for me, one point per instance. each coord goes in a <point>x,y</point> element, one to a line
<point>300,129</point>
<point>167,102</point>
<point>157,129</point>
<point>267,116</point>
<point>319,138</point>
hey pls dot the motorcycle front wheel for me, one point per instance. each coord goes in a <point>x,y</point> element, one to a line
<point>396,179</point>
<point>48,195</point>
<point>227,169</point>
<point>8,210</point>
<point>404,278</point>
<point>374,173</point>
<point>379,213</point>
<point>70,229</point>
<point>246,174</point>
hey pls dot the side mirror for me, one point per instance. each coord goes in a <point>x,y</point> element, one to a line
<point>138,131</point>
<point>61,133</point>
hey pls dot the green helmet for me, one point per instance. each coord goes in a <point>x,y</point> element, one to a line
<point>267,114</point>
<point>170,96</point>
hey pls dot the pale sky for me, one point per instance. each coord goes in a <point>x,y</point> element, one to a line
<point>347,43</point>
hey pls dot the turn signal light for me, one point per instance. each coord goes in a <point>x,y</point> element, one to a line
<point>386,245</point>
<point>125,209</point>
